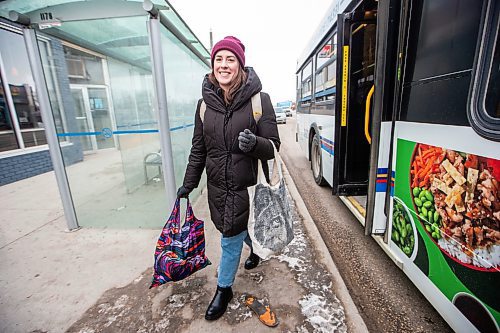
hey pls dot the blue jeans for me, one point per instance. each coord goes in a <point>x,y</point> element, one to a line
<point>230,258</point>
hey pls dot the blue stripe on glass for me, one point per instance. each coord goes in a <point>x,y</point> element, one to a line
<point>79,134</point>
<point>135,132</point>
<point>181,127</point>
<point>121,132</point>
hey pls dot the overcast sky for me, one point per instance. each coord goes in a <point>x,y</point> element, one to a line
<point>274,32</point>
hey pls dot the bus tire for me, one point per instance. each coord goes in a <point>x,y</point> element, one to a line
<point>316,161</point>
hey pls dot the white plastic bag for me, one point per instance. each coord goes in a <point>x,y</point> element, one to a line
<point>270,225</point>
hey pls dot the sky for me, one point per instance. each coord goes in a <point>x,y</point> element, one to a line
<point>274,32</point>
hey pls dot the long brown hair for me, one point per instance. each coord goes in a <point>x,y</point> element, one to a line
<point>238,81</point>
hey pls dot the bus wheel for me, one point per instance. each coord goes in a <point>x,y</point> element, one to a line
<point>316,163</point>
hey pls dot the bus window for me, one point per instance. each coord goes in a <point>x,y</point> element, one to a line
<point>438,63</point>
<point>320,79</point>
<point>306,88</point>
<point>331,77</point>
<point>307,71</point>
<point>484,109</point>
<point>326,65</point>
<point>326,53</point>
<point>306,80</point>
<point>492,101</point>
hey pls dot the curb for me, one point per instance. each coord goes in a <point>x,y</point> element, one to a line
<point>354,321</point>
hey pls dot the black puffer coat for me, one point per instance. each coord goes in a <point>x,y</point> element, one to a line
<point>215,144</point>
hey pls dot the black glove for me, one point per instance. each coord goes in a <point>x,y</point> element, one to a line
<point>247,141</point>
<point>183,192</point>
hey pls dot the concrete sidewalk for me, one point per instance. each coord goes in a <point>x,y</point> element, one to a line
<point>96,280</point>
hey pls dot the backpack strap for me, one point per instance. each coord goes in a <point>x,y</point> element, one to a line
<point>256,107</point>
<point>203,108</point>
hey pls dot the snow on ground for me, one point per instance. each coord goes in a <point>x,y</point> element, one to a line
<point>321,308</point>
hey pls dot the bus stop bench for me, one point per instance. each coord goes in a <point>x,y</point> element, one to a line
<point>151,159</point>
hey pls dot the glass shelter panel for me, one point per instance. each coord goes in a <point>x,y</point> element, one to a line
<point>132,92</point>
<point>184,73</point>
<point>52,86</point>
<point>81,119</point>
<point>101,115</point>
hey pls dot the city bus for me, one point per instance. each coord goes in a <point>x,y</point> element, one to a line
<point>398,111</point>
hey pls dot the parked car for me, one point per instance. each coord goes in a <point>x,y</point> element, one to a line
<point>288,112</point>
<point>280,115</point>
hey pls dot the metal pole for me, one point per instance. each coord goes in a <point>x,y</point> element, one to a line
<point>378,108</point>
<point>50,128</point>
<point>211,40</point>
<point>10,103</point>
<point>152,9</point>
<point>161,98</point>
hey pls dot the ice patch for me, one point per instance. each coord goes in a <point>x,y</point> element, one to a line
<point>162,325</point>
<point>244,316</point>
<point>322,316</point>
<point>327,287</point>
<point>120,302</point>
<point>103,308</point>
<point>293,263</point>
<point>111,320</point>
<point>302,329</point>
<point>177,301</point>
<point>234,305</point>
<point>257,277</point>
<point>86,330</point>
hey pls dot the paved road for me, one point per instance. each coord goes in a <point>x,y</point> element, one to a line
<point>385,297</point>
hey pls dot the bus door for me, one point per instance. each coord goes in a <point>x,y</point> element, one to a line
<point>355,75</point>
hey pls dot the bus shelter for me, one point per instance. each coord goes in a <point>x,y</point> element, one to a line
<point>114,86</point>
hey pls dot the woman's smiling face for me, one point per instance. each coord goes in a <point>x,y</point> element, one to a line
<point>226,68</point>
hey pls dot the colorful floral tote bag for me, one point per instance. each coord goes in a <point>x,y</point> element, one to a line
<point>179,251</point>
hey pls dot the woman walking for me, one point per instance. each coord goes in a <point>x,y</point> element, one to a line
<point>228,140</point>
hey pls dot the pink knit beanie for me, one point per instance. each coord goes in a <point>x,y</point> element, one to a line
<point>232,44</point>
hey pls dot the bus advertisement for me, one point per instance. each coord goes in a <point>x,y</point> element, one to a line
<point>400,115</point>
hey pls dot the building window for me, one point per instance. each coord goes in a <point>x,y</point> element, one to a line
<point>19,79</point>
<point>21,124</point>
<point>8,139</point>
<point>484,109</point>
<point>83,67</point>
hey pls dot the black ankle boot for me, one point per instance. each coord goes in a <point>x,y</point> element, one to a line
<point>219,303</point>
<point>252,261</point>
